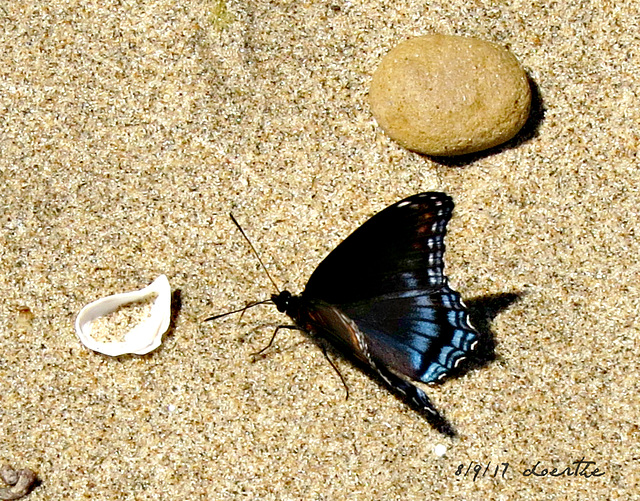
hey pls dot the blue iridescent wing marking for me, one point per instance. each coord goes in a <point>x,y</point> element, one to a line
<point>421,336</point>
<point>388,278</point>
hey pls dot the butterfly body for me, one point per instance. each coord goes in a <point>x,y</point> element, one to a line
<point>382,297</point>
<point>325,321</point>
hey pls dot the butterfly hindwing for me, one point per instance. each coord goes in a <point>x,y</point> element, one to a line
<point>422,336</point>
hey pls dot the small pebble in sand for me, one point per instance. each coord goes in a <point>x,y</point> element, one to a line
<point>446,95</point>
<point>440,450</point>
<point>25,318</point>
<point>20,482</point>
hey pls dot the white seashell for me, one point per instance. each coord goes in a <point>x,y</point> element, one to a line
<point>144,337</point>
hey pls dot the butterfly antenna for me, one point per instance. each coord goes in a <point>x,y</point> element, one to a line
<point>255,252</point>
<point>243,309</point>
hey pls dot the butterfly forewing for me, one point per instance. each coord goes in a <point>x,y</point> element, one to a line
<point>399,249</point>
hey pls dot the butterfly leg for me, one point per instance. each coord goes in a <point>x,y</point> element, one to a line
<point>335,368</point>
<point>417,398</point>
<point>275,332</point>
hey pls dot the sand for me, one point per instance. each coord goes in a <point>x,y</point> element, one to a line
<point>128,132</point>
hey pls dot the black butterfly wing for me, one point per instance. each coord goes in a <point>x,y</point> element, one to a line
<point>399,249</point>
<point>388,278</point>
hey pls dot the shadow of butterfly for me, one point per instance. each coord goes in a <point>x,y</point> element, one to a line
<point>381,298</point>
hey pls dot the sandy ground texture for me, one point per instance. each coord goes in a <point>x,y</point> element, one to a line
<point>129,130</point>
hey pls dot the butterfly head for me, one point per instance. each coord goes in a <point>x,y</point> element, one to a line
<point>283,301</point>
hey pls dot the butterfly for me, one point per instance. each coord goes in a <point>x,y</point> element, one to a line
<point>381,297</point>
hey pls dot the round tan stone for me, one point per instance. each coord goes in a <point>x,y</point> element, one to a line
<point>446,95</point>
